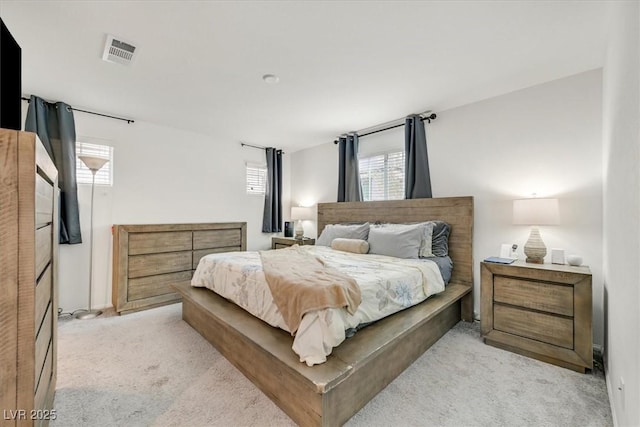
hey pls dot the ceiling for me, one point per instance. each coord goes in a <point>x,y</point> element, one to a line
<point>342,65</point>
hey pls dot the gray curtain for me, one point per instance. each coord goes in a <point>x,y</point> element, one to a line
<point>417,181</point>
<point>54,125</point>
<point>272,216</point>
<point>349,188</point>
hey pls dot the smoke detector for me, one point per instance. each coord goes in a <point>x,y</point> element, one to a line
<point>118,51</point>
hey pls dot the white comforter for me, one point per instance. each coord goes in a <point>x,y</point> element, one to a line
<point>388,285</point>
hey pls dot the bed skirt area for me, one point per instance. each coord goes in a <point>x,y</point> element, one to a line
<point>331,393</point>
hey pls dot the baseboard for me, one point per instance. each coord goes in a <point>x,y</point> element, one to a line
<point>107,310</point>
<point>598,356</point>
<point>597,351</point>
<point>609,392</point>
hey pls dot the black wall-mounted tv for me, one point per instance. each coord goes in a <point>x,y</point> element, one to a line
<point>10,80</point>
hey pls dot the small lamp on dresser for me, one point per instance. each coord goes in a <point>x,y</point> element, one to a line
<point>299,214</point>
<point>535,212</point>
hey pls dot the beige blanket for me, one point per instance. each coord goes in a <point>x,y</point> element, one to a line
<point>300,282</point>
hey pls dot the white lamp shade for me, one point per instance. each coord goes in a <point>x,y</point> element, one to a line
<point>536,212</point>
<point>93,163</point>
<point>303,213</point>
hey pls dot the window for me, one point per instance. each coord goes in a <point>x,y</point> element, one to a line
<point>105,175</point>
<point>256,178</point>
<point>382,176</point>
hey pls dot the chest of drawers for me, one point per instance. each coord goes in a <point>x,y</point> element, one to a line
<point>542,311</point>
<point>149,258</point>
<point>28,281</point>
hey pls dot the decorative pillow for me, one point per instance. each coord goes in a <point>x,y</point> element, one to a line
<point>357,246</point>
<point>399,240</point>
<point>427,240</point>
<point>440,238</point>
<point>347,231</point>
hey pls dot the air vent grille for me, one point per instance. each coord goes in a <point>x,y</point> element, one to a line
<point>118,51</point>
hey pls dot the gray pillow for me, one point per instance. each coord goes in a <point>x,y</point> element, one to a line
<point>400,241</point>
<point>445,265</point>
<point>426,241</point>
<point>345,231</point>
<point>440,238</point>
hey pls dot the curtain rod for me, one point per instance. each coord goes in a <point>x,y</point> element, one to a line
<point>428,118</point>
<point>243,144</point>
<point>91,112</point>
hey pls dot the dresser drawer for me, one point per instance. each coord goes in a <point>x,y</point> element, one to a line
<point>552,298</point>
<point>160,284</point>
<point>152,264</point>
<point>44,245</point>
<point>207,239</point>
<point>43,380</point>
<point>44,202</point>
<point>43,342</point>
<point>543,327</point>
<point>43,296</point>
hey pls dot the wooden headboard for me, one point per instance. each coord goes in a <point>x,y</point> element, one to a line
<point>149,258</point>
<point>456,211</point>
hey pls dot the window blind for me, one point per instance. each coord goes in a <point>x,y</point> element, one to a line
<point>382,176</point>
<point>256,178</point>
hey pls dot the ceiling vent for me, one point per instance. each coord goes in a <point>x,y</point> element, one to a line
<point>118,51</point>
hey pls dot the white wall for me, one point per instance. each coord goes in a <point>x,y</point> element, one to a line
<point>545,139</point>
<point>621,194</point>
<point>161,175</point>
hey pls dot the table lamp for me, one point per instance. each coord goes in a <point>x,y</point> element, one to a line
<point>535,212</point>
<point>299,214</point>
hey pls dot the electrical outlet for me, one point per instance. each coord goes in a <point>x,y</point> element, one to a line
<point>514,254</point>
<point>621,390</point>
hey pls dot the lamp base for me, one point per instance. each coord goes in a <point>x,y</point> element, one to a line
<point>299,230</point>
<point>535,249</point>
<point>90,314</point>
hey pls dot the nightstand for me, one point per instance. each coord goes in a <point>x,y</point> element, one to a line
<point>538,310</point>
<point>284,242</point>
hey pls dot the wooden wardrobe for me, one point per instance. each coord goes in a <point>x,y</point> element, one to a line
<point>28,271</point>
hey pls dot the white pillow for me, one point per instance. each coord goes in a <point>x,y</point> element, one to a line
<point>346,231</point>
<point>399,240</point>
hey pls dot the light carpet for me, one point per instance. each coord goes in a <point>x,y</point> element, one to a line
<point>152,369</point>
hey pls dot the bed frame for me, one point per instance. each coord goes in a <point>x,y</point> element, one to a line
<point>331,393</point>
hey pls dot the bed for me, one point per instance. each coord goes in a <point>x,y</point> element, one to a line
<point>330,393</point>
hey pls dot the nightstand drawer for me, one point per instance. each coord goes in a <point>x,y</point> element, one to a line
<point>547,328</point>
<point>553,298</point>
<point>285,242</point>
